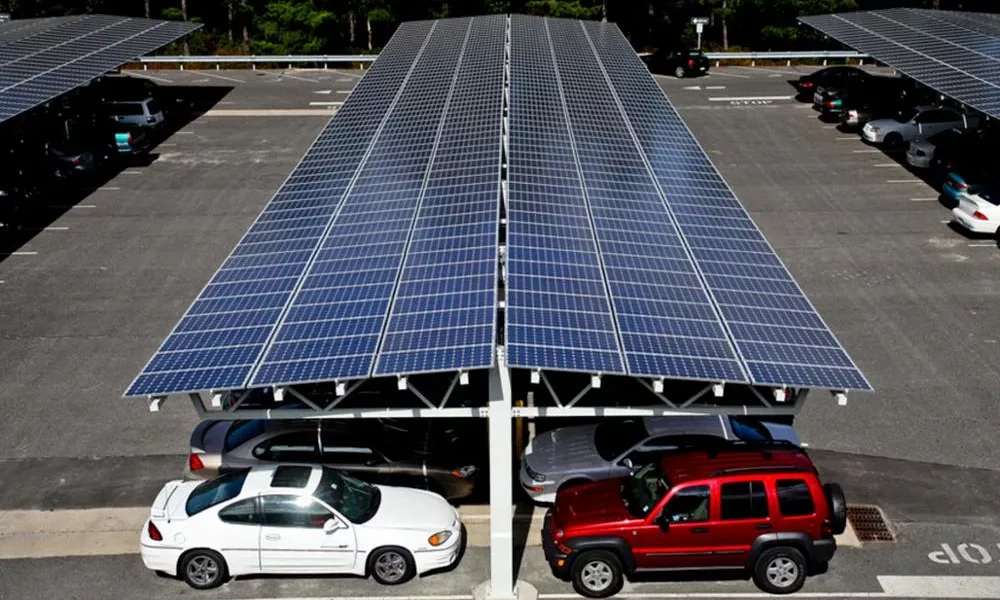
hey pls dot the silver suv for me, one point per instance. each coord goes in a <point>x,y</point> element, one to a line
<point>614,447</point>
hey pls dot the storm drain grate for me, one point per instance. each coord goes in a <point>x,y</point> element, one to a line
<point>869,523</point>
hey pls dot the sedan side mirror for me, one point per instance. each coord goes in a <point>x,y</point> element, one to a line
<point>332,525</point>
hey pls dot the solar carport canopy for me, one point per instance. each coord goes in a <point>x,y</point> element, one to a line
<point>626,251</point>
<point>954,53</point>
<point>41,59</point>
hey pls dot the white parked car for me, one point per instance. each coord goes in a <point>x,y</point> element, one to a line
<point>978,210</point>
<point>913,123</point>
<point>136,113</point>
<point>297,519</point>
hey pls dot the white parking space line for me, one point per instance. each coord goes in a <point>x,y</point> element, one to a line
<point>945,221</point>
<point>714,73</point>
<point>185,133</point>
<point>290,76</point>
<point>344,91</point>
<point>923,199</point>
<point>715,87</point>
<point>148,76</point>
<point>767,70</point>
<point>324,92</point>
<point>132,172</point>
<point>271,112</point>
<point>23,253</point>
<point>829,127</point>
<point>223,77</point>
<point>866,151</point>
<point>983,245</point>
<point>167,145</point>
<point>693,87</point>
<point>742,98</point>
<point>55,228</point>
<point>885,165</point>
<point>947,586</point>
<point>201,80</point>
<point>905,181</point>
<point>844,138</point>
<point>344,80</point>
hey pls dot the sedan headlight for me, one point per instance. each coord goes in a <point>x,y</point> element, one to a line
<point>535,475</point>
<point>439,538</point>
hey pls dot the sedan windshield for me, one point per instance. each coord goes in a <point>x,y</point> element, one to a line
<point>613,438</point>
<point>354,499</point>
<point>643,490</point>
<point>905,115</point>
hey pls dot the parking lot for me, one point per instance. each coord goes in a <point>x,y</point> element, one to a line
<point>85,303</point>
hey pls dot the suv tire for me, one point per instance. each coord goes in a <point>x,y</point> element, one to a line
<point>838,507</point>
<point>597,574</point>
<point>679,73</point>
<point>780,570</point>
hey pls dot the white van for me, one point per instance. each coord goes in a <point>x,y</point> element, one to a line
<point>137,113</point>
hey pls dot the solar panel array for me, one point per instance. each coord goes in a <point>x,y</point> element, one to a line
<point>953,53</point>
<point>626,251</point>
<point>319,284</point>
<point>695,290</point>
<point>47,58</point>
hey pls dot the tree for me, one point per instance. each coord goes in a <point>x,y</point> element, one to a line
<point>184,17</point>
<point>147,13</point>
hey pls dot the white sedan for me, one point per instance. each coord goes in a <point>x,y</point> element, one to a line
<point>297,519</point>
<point>910,124</point>
<point>978,210</point>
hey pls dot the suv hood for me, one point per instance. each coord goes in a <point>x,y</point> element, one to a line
<point>407,508</point>
<point>592,504</point>
<point>563,450</point>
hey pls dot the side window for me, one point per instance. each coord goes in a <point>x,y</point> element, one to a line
<point>340,451</point>
<point>688,505</point>
<point>291,447</point>
<point>293,511</point>
<point>794,498</point>
<point>744,500</point>
<point>215,491</point>
<point>243,512</point>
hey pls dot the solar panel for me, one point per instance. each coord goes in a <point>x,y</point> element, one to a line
<point>666,321</point>
<point>942,50</point>
<point>776,331</point>
<point>444,313</point>
<point>558,310</point>
<point>361,261</point>
<point>223,334</point>
<point>40,62</point>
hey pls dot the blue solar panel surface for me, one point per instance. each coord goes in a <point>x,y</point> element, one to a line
<point>626,251</point>
<point>47,58</point>
<point>953,53</point>
<point>775,329</point>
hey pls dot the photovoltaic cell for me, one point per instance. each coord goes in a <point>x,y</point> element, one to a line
<point>558,311</point>
<point>953,53</point>
<point>45,58</point>
<point>777,333</point>
<point>315,188</point>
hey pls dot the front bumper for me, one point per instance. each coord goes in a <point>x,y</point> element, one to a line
<point>972,224</point>
<point>542,492</point>
<point>874,137</point>
<point>440,558</point>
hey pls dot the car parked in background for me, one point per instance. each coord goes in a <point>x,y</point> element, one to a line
<point>423,457</point>
<point>297,519</point>
<point>964,178</point>
<point>978,210</point>
<point>615,447</point>
<point>910,124</point>
<point>761,510</point>
<point>807,85</point>
<point>920,152</point>
<point>679,63</point>
<point>145,112</point>
<point>70,158</point>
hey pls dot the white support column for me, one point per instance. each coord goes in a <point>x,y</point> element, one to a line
<point>501,584</point>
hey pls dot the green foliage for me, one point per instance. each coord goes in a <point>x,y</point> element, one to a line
<point>563,8</point>
<point>294,27</point>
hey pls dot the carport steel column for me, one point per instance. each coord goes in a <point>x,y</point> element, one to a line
<point>501,584</point>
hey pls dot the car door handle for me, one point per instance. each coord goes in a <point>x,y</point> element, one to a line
<point>700,530</point>
<point>763,526</point>
<point>272,537</point>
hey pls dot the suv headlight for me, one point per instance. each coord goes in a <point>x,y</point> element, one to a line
<point>439,538</point>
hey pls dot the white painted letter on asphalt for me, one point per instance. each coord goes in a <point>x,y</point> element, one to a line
<point>944,556</point>
<point>984,556</point>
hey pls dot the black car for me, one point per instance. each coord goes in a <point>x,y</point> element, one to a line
<point>817,81</point>
<point>679,63</point>
<point>832,101</point>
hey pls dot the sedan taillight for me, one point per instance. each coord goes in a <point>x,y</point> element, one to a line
<point>194,462</point>
<point>154,533</point>
<point>980,216</point>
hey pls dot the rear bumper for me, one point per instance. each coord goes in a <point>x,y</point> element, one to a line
<point>920,162</point>
<point>974,225</point>
<point>823,550</point>
<point>558,561</point>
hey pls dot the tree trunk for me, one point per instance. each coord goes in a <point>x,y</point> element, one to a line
<point>147,9</point>
<point>230,8</point>
<point>184,15</point>
<point>350,27</point>
<point>725,28</point>
<point>368,22</point>
<point>246,30</point>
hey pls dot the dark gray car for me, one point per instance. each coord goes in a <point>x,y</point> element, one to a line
<point>611,448</point>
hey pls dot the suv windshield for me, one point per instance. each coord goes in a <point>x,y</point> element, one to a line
<point>643,490</point>
<point>612,438</point>
<point>354,499</point>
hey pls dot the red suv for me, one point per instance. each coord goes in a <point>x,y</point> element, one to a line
<point>757,509</point>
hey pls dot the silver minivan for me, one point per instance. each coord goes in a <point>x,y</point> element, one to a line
<point>136,113</point>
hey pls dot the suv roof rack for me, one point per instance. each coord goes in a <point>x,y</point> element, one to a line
<point>761,469</point>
